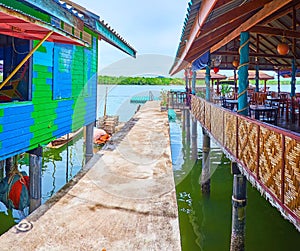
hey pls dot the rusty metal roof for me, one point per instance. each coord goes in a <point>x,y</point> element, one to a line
<point>32,19</point>
<point>268,21</point>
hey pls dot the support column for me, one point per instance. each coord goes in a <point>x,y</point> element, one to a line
<point>89,133</point>
<point>8,165</point>
<point>243,74</point>
<point>205,174</point>
<point>239,197</point>
<point>2,166</point>
<point>194,82</point>
<point>35,177</point>
<point>207,79</point>
<point>188,129</point>
<point>194,139</point>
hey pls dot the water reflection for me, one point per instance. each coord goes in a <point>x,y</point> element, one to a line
<point>205,222</point>
<point>59,165</point>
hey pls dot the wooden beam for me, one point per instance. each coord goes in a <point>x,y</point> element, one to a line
<point>205,41</point>
<point>252,54</point>
<point>204,11</point>
<point>234,14</point>
<point>274,31</point>
<point>268,9</point>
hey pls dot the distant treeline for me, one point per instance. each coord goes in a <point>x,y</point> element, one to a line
<point>108,80</point>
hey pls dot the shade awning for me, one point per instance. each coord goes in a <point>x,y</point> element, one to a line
<point>16,24</point>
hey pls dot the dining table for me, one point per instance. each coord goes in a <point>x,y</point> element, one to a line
<point>264,113</point>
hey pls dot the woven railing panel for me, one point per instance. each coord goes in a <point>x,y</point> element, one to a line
<point>207,115</point>
<point>195,107</point>
<point>292,175</point>
<point>202,112</point>
<point>230,139</point>
<point>247,144</point>
<point>270,160</point>
<point>217,123</point>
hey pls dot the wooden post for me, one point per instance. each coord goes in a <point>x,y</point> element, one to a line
<point>256,78</point>
<point>89,129</point>
<point>8,165</point>
<point>194,139</point>
<point>205,174</point>
<point>35,177</point>
<point>238,210</point>
<point>243,74</point>
<point>207,79</point>
<point>2,166</point>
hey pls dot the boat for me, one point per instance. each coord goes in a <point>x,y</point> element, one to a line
<point>57,143</point>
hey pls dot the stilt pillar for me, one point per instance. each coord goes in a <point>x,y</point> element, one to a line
<point>188,129</point>
<point>35,177</point>
<point>194,139</point>
<point>8,165</point>
<point>2,166</point>
<point>205,174</point>
<point>239,199</point>
<point>89,129</point>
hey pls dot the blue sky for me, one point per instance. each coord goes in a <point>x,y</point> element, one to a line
<point>153,28</point>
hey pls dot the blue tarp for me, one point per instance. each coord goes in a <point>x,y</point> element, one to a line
<point>201,62</point>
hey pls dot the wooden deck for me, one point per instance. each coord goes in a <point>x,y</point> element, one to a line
<point>124,199</point>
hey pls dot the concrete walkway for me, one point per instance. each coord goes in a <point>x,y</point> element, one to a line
<point>124,199</point>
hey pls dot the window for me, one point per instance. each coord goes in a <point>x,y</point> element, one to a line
<point>12,52</point>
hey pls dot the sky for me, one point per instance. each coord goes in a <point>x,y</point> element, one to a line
<point>153,28</point>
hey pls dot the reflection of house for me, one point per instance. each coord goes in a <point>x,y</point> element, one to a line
<point>54,91</point>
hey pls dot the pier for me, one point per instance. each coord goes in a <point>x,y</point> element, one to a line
<point>123,199</point>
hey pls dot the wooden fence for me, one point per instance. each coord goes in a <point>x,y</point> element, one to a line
<point>269,156</point>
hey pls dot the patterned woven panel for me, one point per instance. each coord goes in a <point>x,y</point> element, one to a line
<point>202,113</point>
<point>217,125</point>
<point>230,132</point>
<point>195,107</point>
<point>292,175</point>
<point>270,160</point>
<point>247,143</point>
<point>207,115</point>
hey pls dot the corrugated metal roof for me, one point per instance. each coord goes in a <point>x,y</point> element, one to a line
<point>229,15</point>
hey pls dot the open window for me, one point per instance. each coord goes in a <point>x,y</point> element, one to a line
<point>12,52</point>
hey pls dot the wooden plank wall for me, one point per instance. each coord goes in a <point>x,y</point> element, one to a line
<point>26,125</point>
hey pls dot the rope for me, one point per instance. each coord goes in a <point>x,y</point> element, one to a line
<point>245,108</point>
<point>242,93</point>
<point>244,44</point>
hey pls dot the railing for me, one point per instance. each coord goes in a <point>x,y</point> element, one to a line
<point>177,99</point>
<point>269,156</point>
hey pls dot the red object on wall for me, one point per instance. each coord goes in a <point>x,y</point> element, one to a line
<point>216,69</point>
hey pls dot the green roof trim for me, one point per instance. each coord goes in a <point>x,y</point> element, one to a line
<point>114,39</point>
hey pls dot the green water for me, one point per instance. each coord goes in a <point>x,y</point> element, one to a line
<point>205,222</point>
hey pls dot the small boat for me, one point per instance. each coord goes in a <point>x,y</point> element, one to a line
<point>57,143</point>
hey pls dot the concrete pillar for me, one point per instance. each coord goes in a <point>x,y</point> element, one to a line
<point>89,144</point>
<point>188,128</point>
<point>205,174</point>
<point>243,74</point>
<point>194,82</point>
<point>35,177</point>
<point>238,210</point>
<point>194,139</point>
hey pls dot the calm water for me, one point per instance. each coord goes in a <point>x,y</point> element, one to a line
<point>205,223</point>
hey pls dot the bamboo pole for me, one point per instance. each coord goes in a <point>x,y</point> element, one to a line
<point>25,59</point>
